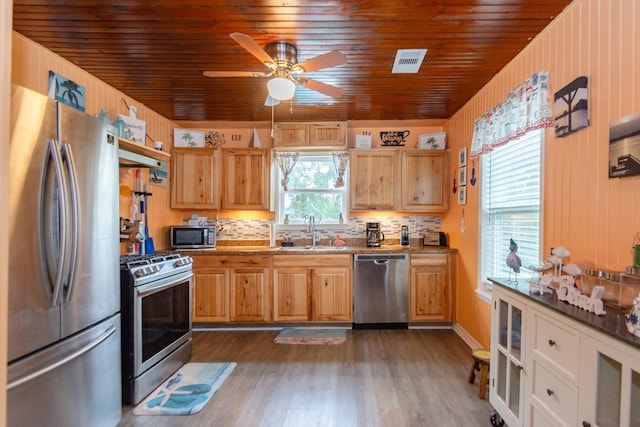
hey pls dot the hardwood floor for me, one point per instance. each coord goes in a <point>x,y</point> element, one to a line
<point>377,378</point>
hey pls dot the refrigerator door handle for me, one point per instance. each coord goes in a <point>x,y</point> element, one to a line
<point>56,159</point>
<point>63,361</point>
<point>74,218</point>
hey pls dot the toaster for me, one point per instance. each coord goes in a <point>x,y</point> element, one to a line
<point>434,238</point>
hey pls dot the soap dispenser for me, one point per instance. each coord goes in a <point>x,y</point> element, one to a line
<point>404,235</point>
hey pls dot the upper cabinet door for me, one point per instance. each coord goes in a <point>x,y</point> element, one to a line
<point>246,179</point>
<point>195,182</point>
<point>307,135</point>
<point>373,179</point>
<point>327,134</point>
<point>424,181</point>
<point>291,134</point>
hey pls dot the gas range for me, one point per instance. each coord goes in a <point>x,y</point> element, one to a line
<point>137,270</point>
<point>155,307</point>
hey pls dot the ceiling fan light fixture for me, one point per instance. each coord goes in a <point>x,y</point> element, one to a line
<point>281,88</point>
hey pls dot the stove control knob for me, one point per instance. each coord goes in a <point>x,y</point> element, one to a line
<point>183,261</point>
<point>139,272</point>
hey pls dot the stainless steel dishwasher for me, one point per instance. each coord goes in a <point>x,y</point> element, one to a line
<point>380,290</point>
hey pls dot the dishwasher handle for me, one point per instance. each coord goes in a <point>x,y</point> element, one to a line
<point>381,261</point>
<point>380,257</point>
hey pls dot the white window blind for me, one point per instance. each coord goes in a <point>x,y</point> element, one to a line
<point>510,205</point>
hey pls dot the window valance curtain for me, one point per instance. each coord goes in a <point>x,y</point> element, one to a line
<point>286,161</point>
<point>526,108</point>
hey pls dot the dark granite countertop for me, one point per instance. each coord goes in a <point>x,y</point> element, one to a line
<point>319,250</point>
<point>612,323</point>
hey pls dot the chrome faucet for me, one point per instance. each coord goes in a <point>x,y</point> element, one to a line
<point>312,229</point>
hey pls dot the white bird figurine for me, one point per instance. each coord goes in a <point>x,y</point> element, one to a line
<point>513,261</point>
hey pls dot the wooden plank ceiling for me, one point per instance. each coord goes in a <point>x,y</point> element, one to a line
<point>156,51</point>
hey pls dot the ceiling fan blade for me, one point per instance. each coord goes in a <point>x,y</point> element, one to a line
<point>234,74</point>
<point>270,102</point>
<point>331,59</point>
<point>332,91</point>
<point>252,47</point>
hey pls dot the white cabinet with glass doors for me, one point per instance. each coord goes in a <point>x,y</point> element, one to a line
<point>506,391</point>
<point>609,383</point>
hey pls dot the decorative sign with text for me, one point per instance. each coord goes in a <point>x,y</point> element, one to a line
<point>394,138</point>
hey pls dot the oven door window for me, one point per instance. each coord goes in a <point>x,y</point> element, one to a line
<point>166,318</point>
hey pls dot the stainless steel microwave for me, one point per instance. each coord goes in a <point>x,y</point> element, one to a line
<point>192,236</point>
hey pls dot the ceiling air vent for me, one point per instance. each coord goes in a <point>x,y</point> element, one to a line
<point>408,60</point>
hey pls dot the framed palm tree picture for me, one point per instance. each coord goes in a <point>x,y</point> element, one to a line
<point>188,138</point>
<point>66,91</point>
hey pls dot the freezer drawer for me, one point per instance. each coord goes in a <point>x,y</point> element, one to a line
<point>380,288</point>
<point>75,382</point>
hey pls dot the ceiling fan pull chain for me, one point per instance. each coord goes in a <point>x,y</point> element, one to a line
<point>273,132</point>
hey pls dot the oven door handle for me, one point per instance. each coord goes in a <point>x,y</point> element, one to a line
<point>154,287</point>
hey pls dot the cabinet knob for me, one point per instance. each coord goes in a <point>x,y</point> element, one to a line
<point>520,367</point>
<point>552,343</point>
<point>586,424</point>
<point>550,392</point>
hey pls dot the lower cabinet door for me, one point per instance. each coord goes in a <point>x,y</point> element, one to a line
<point>211,295</point>
<point>291,294</point>
<point>331,294</point>
<point>248,291</point>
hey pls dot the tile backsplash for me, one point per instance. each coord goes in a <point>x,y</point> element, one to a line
<point>355,228</point>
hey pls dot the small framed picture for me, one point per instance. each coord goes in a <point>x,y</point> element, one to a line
<point>462,157</point>
<point>462,195</point>
<point>188,138</point>
<point>462,176</point>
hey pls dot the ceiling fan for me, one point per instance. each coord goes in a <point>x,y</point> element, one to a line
<point>282,59</point>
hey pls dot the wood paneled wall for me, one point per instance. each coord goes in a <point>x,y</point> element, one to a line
<point>5,94</point>
<point>31,64</point>
<point>584,210</point>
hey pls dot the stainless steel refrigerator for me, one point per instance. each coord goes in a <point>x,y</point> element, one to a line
<point>64,292</point>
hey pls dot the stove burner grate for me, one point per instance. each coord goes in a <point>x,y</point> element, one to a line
<point>130,261</point>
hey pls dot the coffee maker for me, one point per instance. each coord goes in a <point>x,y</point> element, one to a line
<point>374,235</point>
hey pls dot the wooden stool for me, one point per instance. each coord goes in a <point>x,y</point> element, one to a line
<point>481,359</point>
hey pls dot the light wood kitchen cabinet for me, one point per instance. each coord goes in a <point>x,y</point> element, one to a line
<point>373,179</point>
<point>424,181</point>
<point>399,180</point>
<point>249,294</point>
<point>312,288</point>
<point>431,297</point>
<point>195,178</point>
<point>210,294</point>
<point>331,293</point>
<point>231,288</point>
<point>245,179</point>
<point>300,134</point>
<point>291,298</point>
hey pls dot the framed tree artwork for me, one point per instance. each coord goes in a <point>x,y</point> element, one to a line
<point>570,107</point>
